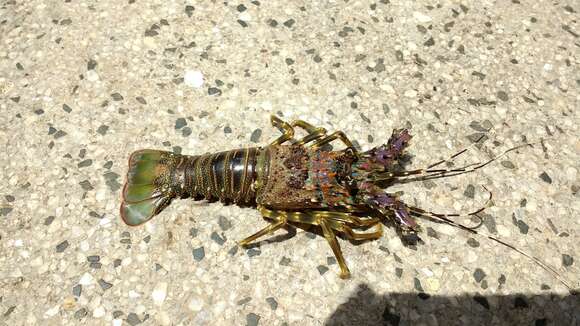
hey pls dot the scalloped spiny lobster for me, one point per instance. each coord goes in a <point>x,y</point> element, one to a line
<point>295,182</point>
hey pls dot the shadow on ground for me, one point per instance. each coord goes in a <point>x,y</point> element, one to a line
<point>365,307</point>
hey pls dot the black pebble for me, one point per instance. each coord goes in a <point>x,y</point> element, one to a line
<point>545,177</point>
<point>289,22</point>
<point>214,91</point>
<point>62,246</point>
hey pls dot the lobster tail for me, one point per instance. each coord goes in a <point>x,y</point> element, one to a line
<point>151,184</point>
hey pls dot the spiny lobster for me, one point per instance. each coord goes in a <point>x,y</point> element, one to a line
<point>296,182</point>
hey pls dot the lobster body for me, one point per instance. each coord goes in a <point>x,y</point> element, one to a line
<point>278,177</point>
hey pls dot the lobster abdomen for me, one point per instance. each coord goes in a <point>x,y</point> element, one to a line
<point>155,178</point>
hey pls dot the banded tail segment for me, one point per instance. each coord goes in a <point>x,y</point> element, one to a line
<point>154,178</point>
<point>227,176</point>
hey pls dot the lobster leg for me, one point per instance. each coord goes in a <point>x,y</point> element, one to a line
<point>326,220</point>
<point>353,235</point>
<point>335,135</point>
<point>280,221</point>
<point>313,132</point>
<point>281,124</point>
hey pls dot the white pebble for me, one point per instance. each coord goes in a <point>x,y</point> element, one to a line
<point>420,17</point>
<point>86,279</point>
<point>193,78</point>
<point>245,16</point>
<point>51,312</point>
<point>410,93</point>
<point>195,304</point>
<point>92,76</point>
<point>99,312</point>
<point>159,293</point>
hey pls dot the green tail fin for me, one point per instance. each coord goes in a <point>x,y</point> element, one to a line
<point>144,194</point>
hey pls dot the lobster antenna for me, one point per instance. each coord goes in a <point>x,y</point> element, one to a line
<point>440,217</point>
<point>445,172</point>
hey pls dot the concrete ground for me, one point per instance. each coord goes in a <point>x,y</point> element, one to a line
<point>85,83</point>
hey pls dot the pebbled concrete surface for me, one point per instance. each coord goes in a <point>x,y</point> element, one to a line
<point>82,84</point>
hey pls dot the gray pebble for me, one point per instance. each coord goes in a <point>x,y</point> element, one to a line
<point>92,64</point>
<point>502,96</point>
<point>227,130</point>
<point>111,180</point>
<point>567,260</point>
<point>244,301</point>
<point>479,275</point>
<point>102,129</point>
<point>469,191</point>
<point>289,23</point>
<point>93,258</point>
<point>473,243</point>
<point>85,163</point>
<point>180,123</point>
<point>432,233</point>
<point>285,261</point>
<point>399,272</point>
<point>198,253</point>
<point>256,135</point>
<point>193,232</point>
<point>189,10</point>
<point>77,290</point>
<point>252,319</point>
<point>322,269</point>
<point>418,286</point>
<point>186,131</point>
<point>429,42</point>
<point>214,90</point>
<point>217,238</point>
<point>253,252</point>
<point>49,220</point>
<point>224,223</point>
<point>62,246</point>
<point>489,222</point>
<point>272,302</point>
<point>508,165</point>
<point>86,185</point>
<point>81,313</point>
<point>330,260</point>
<point>117,314</point>
<point>141,100</point>
<point>133,319</point>
<point>117,97</point>
<point>233,250</point>
<point>59,134</point>
<point>105,285</point>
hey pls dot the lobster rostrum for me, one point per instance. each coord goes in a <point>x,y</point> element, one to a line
<point>296,182</point>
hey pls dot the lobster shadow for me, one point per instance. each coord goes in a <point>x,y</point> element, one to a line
<point>365,307</point>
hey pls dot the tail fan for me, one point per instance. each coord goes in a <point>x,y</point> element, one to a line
<point>149,187</point>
